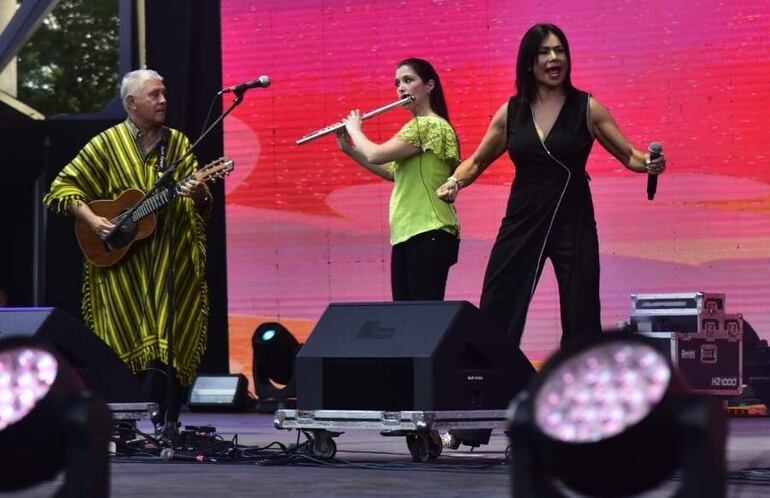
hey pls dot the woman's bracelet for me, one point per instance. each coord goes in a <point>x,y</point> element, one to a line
<point>456,181</point>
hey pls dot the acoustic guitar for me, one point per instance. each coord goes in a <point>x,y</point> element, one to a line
<point>134,217</point>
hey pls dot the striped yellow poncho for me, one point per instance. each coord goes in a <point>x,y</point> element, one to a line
<point>126,304</point>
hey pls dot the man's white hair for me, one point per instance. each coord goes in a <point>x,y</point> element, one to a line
<point>134,81</point>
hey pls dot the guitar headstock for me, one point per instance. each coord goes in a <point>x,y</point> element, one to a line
<point>217,168</point>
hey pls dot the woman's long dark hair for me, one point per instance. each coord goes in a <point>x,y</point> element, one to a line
<point>526,85</point>
<point>426,72</point>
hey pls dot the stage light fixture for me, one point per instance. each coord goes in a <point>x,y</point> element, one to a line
<point>220,393</point>
<point>49,422</point>
<point>613,418</point>
<point>274,353</point>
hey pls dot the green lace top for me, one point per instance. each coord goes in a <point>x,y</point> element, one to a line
<point>414,206</point>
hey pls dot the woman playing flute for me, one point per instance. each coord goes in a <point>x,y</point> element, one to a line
<point>424,231</point>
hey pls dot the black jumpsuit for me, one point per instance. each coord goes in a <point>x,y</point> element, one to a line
<point>549,215</point>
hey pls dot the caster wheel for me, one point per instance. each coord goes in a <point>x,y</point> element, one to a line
<point>418,447</point>
<point>323,446</point>
<point>435,446</point>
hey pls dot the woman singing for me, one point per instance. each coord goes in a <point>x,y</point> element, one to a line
<point>424,230</point>
<point>548,129</point>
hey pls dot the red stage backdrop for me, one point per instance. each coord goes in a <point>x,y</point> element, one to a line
<point>306,226</point>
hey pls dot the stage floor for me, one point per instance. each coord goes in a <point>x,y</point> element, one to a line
<point>367,464</point>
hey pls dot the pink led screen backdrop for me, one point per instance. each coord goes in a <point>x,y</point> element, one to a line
<point>307,227</point>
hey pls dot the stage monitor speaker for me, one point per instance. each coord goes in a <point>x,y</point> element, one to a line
<point>409,355</point>
<point>96,363</point>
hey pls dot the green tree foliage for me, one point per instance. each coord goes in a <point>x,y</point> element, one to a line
<point>70,65</point>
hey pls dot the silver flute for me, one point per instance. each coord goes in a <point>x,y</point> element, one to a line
<point>337,126</point>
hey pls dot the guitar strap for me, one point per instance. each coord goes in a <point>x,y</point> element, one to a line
<point>162,150</point>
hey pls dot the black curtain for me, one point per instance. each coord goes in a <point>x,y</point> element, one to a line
<point>21,142</point>
<point>184,46</point>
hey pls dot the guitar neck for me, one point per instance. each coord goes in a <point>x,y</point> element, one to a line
<point>156,201</point>
<point>215,169</point>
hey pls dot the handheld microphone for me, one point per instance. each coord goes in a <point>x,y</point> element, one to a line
<point>656,149</point>
<point>169,455</point>
<point>261,82</point>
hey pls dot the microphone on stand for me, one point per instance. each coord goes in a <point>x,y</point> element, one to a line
<point>656,149</point>
<point>169,455</point>
<point>261,82</point>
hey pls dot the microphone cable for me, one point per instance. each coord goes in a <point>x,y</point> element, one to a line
<point>428,192</point>
<point>208,115</point>
<point>556,208</point>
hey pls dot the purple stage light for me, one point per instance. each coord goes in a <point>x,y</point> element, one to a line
<point>612,417</point>
<point>26,376</point>
<point>601,392</point>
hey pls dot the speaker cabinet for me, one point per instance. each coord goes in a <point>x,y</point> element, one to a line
<point>409,355</point>
<point>96,363</point>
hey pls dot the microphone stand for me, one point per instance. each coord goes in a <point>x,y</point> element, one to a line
<point>170,427</point>
<point>166,180</point>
